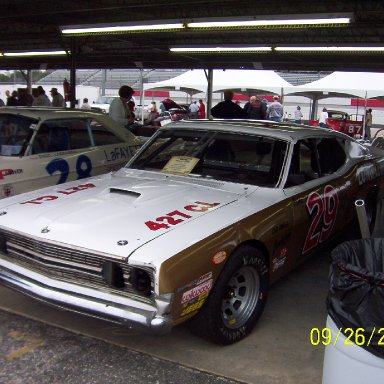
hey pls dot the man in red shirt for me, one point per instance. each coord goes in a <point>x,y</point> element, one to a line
<point>201,109</point>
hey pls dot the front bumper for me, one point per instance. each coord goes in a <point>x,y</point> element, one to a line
<point>88,301</point>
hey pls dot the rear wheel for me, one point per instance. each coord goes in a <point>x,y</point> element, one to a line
<point>237,299</point>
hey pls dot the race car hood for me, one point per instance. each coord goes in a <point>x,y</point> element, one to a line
<point>114,214</point>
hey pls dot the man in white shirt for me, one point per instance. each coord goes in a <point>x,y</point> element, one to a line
<point>119,110</point>
<point>194,110</point>
<point>323,118</point>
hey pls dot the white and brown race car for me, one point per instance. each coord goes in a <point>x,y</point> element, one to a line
<point>197,226</point>
<point>40,147</point>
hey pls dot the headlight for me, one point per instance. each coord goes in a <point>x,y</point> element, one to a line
<point>140,280</point>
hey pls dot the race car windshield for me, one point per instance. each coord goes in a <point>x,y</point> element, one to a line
<point>15,133</point>
<point>239,158</point>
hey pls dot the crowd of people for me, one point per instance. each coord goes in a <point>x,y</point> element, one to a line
<point>122,108</point>
<point>255,108</point>
<point>38,98</point>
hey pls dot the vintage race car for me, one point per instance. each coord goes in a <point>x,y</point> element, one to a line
<point>197,226</point>
<point>42,147</point>
<point>351,125</point>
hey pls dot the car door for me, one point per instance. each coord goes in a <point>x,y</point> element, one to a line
<point>68,149</point>
<point>318,191</point>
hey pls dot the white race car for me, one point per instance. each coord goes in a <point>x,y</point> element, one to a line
<point>42,147</point>
<point>197,225</point>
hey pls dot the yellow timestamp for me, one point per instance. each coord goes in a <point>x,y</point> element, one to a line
<point>358,336</point>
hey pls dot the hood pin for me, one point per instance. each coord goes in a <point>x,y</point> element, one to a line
<point>122,242</point>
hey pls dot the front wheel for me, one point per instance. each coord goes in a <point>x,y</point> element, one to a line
<point>237,299</point>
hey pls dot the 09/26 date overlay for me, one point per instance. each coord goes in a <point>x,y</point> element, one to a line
<point>358,336</point>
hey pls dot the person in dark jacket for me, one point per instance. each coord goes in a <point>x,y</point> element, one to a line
<point>227,109</point>
<point>13,100</point>
<point>256,110</point>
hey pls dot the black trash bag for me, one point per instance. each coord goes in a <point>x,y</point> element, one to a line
<point>356,293</point>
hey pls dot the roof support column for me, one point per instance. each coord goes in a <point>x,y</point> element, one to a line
<point>72,80</point>
<point>103,81</point>
<point>209,92</point>
<point>313,111</point>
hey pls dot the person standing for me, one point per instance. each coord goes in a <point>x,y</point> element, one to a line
<point>57,98</point>
<point>368,124</point>
<point>85,104</point>
<point>201,109</point>
<point>257,110</point>
<point>298,115</point>
<point>41,99</point>
<point>323,118</point>
<point>275,110</point>
<point>153,112</point>
<point>227,109</point>
<point>194,110</point>
<point>25,98</point>
<point>67,90</point>
<point>119,110</point>
<point>12,100</point>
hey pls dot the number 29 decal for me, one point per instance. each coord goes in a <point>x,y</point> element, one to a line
<point>61,166</point>
<point>324,207</point>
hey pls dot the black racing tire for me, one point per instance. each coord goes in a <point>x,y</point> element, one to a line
<point>237,299</point>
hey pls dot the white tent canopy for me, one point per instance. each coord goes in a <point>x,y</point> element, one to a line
<point>241,81</point>
<point>191,82</point>
<point>249,81</point>
<point>343,84</point>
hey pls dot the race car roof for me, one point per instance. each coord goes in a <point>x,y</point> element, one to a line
<point>283,131</point>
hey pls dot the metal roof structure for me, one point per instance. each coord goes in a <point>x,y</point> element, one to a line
<point>36,25</point>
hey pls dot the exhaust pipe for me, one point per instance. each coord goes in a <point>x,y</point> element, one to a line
<point>362,218</point>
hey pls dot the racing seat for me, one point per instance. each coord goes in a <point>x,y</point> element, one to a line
<point>58,139</point>
<point>220,150</point>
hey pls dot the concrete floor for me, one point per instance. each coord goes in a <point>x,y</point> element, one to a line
<point>278,351</point>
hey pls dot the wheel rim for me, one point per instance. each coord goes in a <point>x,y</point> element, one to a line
<point>242,295</point>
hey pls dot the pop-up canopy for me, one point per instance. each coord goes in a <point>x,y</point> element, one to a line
<point>240,81</point>
<point>343,84</point>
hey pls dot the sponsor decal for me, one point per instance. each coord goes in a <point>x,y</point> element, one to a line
<point>366,173</point>
<point>203,278</point>
<point>9,172</point>
<point>67,191</point>
<point>196,291</point>
<point>195,282</point>
<point>7,190</point>
<point>219,257</point>
<point>118,153</point>
<point>194,305</point>
<point>279,261</point>
<point>177,217</point>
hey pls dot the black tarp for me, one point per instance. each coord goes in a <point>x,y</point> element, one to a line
<point>356,293</point>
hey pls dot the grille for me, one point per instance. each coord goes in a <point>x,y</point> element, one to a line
<point>71,265</point>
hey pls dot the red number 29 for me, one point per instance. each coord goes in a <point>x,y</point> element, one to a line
<point>324,207</point>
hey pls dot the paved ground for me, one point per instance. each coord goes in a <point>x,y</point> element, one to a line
<point>277,352</point>
<point>32,352</point>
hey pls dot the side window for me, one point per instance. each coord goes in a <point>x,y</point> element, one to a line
<point>102,136</point>
<point>61,135</point>
<point>304,165</point>
<point>15,133</point>
<point>331,155</point>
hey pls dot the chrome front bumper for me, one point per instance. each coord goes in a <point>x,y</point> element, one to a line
<point>89,301</point>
